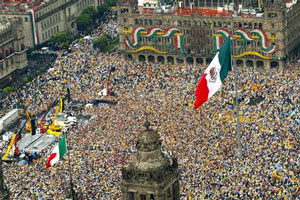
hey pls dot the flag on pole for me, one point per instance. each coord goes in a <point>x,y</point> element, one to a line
<point>104,92</point>
<point>214,75</point>
<point>58,152</point>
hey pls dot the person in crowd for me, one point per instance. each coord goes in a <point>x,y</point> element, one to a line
<point>204,141</point>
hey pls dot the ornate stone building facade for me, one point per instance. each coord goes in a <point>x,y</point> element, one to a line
<point>192,31</point>
<point>43,18</point>
<point>153,175</point>
<point>13,57</point>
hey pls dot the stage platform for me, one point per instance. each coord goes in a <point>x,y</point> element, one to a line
<point>35,143</point>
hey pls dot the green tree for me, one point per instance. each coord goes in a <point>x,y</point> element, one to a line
<point>84,22</point>
<point>101,42</point>
<point>61,37</point>
<point>90,11</point>
<point>6,90</point>
<point>105,43</point>
<point>26,79</point>
<point>102,9</point>
<point>65,45</point>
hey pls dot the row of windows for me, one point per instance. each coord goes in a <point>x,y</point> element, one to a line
<point>6,37</point>
<point>193,23</point>
<point>207,3</point>
<point>9,65</point>
<point>4,66</point>
<point>50,20</point>
<point>10,50</point>
<point>84,3</point>
<point>192,42</point>
<point>60,3</point>
<point>46,35</point>
<point>8,18</point>
<point>49,8</point>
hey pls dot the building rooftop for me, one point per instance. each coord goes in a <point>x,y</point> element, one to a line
<point>205,12</point>
<point>226,11</point>
<point>19,5</point>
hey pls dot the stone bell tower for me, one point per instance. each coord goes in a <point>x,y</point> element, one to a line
<point>153,175</point>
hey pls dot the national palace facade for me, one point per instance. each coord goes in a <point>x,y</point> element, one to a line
<point>43,18</point>
<point>191,31</point>
<point>13,58</point>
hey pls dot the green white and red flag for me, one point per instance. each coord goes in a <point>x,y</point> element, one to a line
<point>58,152</point>
<point>214,75</point>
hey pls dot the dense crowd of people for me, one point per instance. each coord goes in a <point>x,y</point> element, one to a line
<point>204,140</point>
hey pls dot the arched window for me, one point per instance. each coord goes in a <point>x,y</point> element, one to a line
<point>152,197</point>
<point>250,25</point>
<point>150,22</point>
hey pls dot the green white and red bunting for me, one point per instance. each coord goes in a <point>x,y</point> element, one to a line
<point>214,75</point>
<point>135,38</point>
<point>244,34</point>
<point>170,32</point>
<point>153,31</point>
<point>217,42</point>
<point>33,29</point>
<point>179,41</point>
<point>264,42</point>
<point>58,152</point>
<point>224,32</point>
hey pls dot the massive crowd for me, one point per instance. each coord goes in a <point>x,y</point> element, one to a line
<point>204,140</point>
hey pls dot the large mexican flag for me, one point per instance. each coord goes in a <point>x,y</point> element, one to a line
<point>58,152</point>
<point>214,75</point>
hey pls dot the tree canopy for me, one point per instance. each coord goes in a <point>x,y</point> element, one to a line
<point>61,37</point>
<point>102,42</point>
<point>84,22</point>
<point>90,11</point>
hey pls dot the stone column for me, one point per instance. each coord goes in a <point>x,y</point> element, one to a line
<point>281,65</point>
<point>254,64</point>
<point>244,63</point>
<point>268,65</point>
<point>146,58</point>
<point>204,62</point>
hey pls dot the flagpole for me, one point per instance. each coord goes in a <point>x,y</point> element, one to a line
<point>111,69</point>
<point>70,173</point>
<point>239,154</point>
